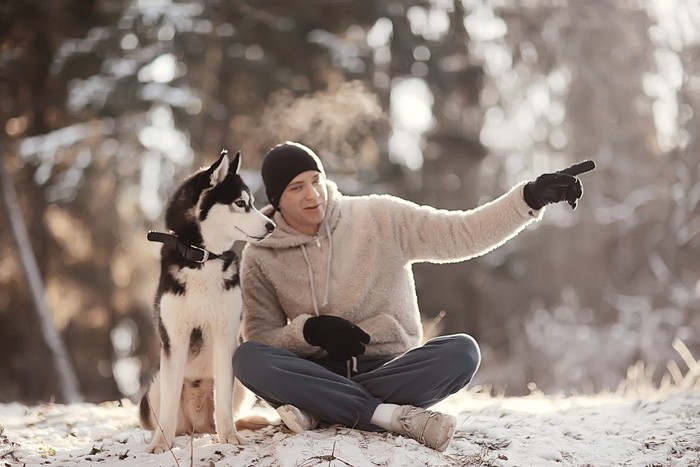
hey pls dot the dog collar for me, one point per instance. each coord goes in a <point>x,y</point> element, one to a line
<point>189,252</point>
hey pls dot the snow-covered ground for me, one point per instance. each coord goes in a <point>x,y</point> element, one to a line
<point>649,428</point>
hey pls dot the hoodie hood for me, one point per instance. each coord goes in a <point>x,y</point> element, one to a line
<point>284,236</point>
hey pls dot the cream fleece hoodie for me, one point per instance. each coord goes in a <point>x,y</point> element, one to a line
<point>359,266</point>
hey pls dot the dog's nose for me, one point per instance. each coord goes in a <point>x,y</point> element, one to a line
<point>270,226</point>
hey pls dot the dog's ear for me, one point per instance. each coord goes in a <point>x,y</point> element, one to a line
<point>235,163</point>
<point>219,169</point>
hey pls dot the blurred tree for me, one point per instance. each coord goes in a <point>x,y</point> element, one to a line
<point>64,372</point>
<point>29,35</point>
<point>105,153</point>
<point>600,81</point>
<point>440,57</point>
<point>107,104</point>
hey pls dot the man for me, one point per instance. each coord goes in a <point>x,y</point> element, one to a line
<point>330,316</point>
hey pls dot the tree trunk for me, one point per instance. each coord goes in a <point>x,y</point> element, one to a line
<point>65,373</point>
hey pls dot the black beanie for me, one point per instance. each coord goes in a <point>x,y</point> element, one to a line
<point>282,164</point>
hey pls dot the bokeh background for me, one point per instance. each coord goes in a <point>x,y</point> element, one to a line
<point>105,105</point>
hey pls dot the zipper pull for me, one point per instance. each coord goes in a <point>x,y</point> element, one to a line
<point>318,241</point>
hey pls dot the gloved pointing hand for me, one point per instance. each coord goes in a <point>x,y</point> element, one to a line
<point>563,185</point>
<point>337,336</point>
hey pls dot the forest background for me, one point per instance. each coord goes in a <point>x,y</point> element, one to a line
<point>106,105</point>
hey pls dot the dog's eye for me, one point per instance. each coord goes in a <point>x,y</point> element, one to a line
<point>240,203</point>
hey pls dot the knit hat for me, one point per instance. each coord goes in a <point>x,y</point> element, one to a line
<point>283,163</point>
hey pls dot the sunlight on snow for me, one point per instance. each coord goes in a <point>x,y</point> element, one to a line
<point>161,70</point>
<point>431,23</point>
<point>165,146</point>
<point>380,33</point>
<point>483,25</point>
<point>411,113</point>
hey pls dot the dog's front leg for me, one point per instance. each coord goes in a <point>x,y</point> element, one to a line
<point>222,365</point>
<point>172,374</point>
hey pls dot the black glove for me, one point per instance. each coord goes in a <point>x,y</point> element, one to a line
<point>563,185</point>
<point>337,336</point>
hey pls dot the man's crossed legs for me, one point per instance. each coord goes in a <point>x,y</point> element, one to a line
<point>381,394</point>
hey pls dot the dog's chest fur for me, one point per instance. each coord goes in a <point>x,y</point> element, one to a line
<point>211,303</point>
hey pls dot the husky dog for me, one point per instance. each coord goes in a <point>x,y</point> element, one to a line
<point>198,305</point>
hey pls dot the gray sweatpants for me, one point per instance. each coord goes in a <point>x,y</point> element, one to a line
<point>421,377</point>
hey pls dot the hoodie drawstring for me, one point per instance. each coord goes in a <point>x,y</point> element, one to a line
<point>352,362</point>
<point>328,262</point>
<point>351,366</point>
<point>311,279</point>
<point>314,302</point>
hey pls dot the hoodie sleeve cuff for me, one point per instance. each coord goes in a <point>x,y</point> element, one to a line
<point>296,342</point>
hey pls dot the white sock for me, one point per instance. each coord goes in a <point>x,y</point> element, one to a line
<point>382,416</point>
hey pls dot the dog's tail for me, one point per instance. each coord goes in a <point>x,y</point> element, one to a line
<point>150,402</point>
<point>243,400</point>
<point>145,413</point>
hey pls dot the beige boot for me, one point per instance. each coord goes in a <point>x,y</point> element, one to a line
<point>432,429</point>
<point>295,419</point>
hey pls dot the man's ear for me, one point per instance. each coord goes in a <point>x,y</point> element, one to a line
<point>219,169</point>
<point>236,163</point>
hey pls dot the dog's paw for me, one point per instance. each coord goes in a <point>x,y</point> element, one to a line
<point>157,446</point>
<point>231,437</point>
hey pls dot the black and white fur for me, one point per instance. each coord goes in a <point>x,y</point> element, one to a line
<point>198,307</point>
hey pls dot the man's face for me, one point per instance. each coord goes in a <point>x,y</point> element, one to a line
<point>303,202</point>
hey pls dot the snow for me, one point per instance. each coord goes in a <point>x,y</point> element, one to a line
<point>654,428</point>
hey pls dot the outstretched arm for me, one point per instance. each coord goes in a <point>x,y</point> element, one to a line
<point>429,234</point>
<point>437,235</point>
